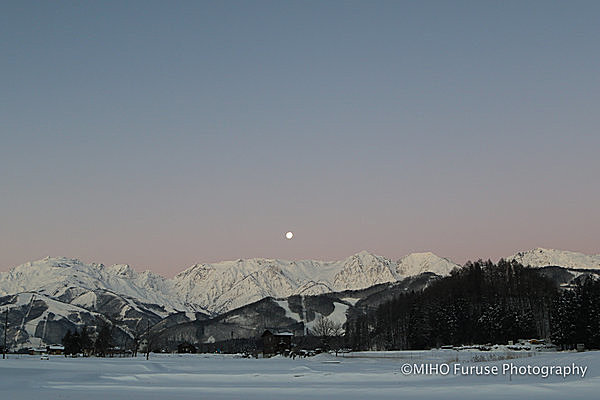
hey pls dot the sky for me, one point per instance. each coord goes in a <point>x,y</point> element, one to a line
<point>164,134</point>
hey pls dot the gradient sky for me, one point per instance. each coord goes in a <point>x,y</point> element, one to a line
<point>162,134</point>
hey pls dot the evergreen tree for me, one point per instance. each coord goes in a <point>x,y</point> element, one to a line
<point>103,342</point>
<point>85,341</point>
<point>75,344</point>
<point>575,315</point>
<point>67,342</point>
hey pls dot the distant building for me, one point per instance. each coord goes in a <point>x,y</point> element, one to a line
<point>36,351</point>
<point>55,349</point>
<point>186,348</point>
<point>276,342</point>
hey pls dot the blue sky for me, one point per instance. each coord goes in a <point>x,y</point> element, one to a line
<point>162,134</point>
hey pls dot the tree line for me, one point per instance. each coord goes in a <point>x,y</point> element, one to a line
<point>575,315</point>
<point>481,303</point>
<point>80,342</point>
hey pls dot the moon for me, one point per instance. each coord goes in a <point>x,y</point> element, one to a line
<point>289,235</point>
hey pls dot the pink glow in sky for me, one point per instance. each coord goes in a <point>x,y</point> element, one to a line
<point>164,136</point>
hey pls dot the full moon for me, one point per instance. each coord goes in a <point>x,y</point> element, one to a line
<point>289,235</point>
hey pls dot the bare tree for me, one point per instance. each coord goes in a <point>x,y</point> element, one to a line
<point>329,331</point>
<point>325,327</point>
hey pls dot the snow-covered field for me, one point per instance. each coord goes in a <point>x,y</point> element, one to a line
<point>357,376</point>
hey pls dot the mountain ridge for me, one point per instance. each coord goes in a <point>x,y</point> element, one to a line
<point>214,288</point>
<point>541,257</point>
<point>209,297</point>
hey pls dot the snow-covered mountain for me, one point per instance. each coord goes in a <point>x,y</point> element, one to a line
<point>213,288</point>
<point>38,320</point>
<point>417,263</point>
<point>231,284</point>
<point>549,257</point>
<point>60,277</point>
<point>49,296</point>
<point>219,287</point>
<point>297,314</point>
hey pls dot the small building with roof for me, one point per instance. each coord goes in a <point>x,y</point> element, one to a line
<point>276,342</point>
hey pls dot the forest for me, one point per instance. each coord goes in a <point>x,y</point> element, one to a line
<point>482,303</point>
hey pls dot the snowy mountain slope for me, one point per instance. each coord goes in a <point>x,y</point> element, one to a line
<point>300,291</point>
<point>548,257</point>
<point>418,263</point>
<point>219,287</point>
<point>38,320</point>
<point>231,284</point>
<point>60,277</point>
<point>297,314</point>
<point>209,288</point>
<point>363,270</point>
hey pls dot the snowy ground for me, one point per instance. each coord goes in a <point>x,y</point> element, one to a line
<point>358,376</point>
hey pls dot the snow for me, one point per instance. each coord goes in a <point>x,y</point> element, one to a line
<point>351,300</point>
<point>224,286</point>
<point>417,263</point>
<point>321,377</point>
<point>53,276</point>
<point>190,315</point>
<point>339,313</point>
<point>217,287</point>
<point>549,257</point>
<point>288,313</point>
<point>57,309</point>
<point>86,300</point>
<point>227,285</point>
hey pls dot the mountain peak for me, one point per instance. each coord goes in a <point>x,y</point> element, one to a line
<point>57,262</point>
<point>123,270</point>
<point>364,254</point>
<point>540,257</point>
<point>423,254</point>
<point>417,263</point>
<point>226,285</point>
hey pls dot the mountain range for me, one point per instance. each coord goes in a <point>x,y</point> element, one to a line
<point>215,288</point>
<point>65,293</point>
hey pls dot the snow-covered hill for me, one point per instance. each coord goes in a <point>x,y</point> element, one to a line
<point>549,257</point>
<point>38,320</point>
<point>213,288</point>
